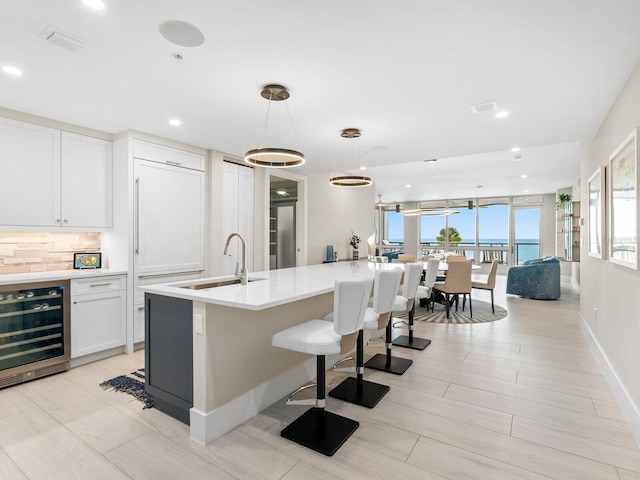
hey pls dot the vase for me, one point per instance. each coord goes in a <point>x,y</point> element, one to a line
<point>356,254</point>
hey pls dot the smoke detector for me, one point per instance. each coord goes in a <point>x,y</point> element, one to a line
<point>63,39</point>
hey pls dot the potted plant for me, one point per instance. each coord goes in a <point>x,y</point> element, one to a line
<point>354,241</point>
<point>563,198</point>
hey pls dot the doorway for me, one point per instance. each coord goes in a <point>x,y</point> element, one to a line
<point>286,219</point>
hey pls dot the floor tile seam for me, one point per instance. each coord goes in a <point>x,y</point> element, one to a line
<point>584,456</point>
<point>17,467</point>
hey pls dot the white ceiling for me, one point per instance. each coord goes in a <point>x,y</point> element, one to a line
<point>405,73</point>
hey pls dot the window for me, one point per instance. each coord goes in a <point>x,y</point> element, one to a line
<point>493,229</point>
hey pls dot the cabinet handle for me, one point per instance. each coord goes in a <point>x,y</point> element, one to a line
<point>141,307</point>
<point>100,284</point>
<point>137,242</point>
<point>66,221</point>
<point>57,220</point>
<point>176,164</point>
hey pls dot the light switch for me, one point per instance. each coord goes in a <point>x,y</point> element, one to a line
<point>198,325</point>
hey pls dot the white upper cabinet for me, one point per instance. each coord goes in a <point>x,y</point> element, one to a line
<point>163,154</point>
<point>30,172</point>
<point>87,181</point>
<point>54,179</point>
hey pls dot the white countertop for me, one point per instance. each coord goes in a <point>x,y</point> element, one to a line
<point>275,287</point>
<point>16,278</point>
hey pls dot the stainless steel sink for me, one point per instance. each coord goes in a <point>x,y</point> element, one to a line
<point>219,283</point>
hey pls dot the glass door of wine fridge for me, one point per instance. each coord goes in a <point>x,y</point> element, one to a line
<point>34,331</point>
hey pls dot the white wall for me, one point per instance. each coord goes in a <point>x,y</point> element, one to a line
<point>609,300</point>
<point>333,212</point>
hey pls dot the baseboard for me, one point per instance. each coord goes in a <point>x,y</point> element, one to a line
<point>629,409</point>
<point>208,426</point>
<point>93,357</point>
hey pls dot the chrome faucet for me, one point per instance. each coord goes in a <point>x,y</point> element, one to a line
<point>243,275</point>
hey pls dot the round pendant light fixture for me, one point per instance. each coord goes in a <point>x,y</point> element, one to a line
<point>350,180</point>
<point>270,156</point>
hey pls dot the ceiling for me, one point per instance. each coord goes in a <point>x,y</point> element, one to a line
<point>404,73</point>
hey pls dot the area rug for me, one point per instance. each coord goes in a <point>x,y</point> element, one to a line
<point>133,384</point>
<point>481,314</point>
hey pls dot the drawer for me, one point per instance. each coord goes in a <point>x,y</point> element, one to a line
<point>143,279</point>
<point>171,156</point>
<point>98,284</point>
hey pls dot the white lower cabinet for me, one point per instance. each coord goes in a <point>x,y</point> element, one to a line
<point>98,314</point>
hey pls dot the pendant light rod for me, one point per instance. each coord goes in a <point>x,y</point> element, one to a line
<point>269,156</point>
<point>350,180</point>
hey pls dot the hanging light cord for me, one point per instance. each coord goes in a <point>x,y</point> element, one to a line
<point>266,122</point>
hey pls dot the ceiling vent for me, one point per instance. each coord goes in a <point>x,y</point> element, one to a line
<point>484,107</point>
<point>63,39</point>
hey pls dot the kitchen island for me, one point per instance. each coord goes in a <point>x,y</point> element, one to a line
<point>235,371</point>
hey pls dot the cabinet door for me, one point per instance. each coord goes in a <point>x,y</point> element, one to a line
<point>169,220</point>
<point>98,322</point>
<point>30,172</point>
<point>237,214</point>
<point>87,181</point>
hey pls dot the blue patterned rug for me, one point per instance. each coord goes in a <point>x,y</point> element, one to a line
<point>132,385</point>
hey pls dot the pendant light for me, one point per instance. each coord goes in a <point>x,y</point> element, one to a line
<point>430,211</point>
<point>270,156</point>
<point>350,180</point>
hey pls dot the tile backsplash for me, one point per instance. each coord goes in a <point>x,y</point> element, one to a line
<point>25,252</point>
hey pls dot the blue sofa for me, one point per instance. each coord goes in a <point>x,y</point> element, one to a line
<point>538,279</point>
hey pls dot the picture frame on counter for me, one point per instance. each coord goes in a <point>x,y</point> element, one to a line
<point>83,260</point>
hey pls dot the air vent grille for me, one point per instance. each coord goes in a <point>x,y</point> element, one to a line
<point>484,107</point>
<point>63,39</point>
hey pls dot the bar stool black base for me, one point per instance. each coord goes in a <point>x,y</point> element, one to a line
<point>416,343</point>
<point>395,365</point>
<point>319,430</point>
<point>369,396</point>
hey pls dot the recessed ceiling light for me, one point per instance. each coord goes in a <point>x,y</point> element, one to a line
<point>408,186</point>
<point>515,149</point>
<point>502,114</point>
<point>175,122</point>
<point>282,193</point>
<point>12,70</point>
<point>526,191</point>
<point>363,168</point>
<point>95,4</point>
<point>524,175</point>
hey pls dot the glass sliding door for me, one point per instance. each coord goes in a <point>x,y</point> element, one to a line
<point>526,245</point>
<point>462,228</point>
<point>493,230</point>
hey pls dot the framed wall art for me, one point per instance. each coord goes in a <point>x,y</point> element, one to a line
<point>623,203</point>
<point>597,218</point>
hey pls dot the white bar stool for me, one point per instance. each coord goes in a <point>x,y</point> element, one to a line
<point>318,429</point>
<point>406,303</point>
<point>357,390</point>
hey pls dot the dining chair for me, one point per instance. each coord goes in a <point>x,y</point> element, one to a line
<point>456,258</point>
<point>457,282</point>
<point>490,283</point>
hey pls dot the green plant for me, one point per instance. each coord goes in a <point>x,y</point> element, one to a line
<point>453,236</point>
<point>562,199</point>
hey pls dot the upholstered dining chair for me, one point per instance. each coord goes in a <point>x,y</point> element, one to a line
<point>405,258</point>
<point>456,258</point>
<point>490,283</point>
<point>357,390</point>
<point>318,429</point>
<point>457,282</point>
<point>426,289</point>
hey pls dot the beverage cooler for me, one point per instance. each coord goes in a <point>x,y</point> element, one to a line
<point>34,331</point>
